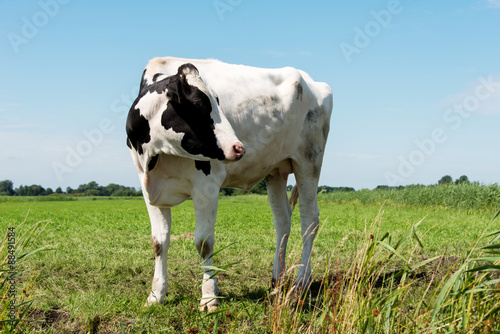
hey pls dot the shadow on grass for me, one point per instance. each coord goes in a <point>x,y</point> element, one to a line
<point>255,295</point>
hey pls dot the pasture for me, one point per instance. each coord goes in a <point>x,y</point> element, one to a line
<point>373,269</point>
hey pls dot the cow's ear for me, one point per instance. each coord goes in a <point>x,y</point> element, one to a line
<point>178,87</point>
<point>188,69</point>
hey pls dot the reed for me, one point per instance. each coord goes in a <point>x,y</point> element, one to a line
<point>383,291</point>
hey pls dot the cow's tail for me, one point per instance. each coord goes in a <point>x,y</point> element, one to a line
<point>294,197</point>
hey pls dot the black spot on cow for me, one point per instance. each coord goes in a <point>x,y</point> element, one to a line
<point>152,162</point>
<point>204,248</point>
<point>158,86</point>
<point>155,77</point>
<point>143,81</point>
<point>156,246</point>
<point>312,153</point>
<point>314,115</point>
<point>315,171</point>
<point>204,166</point>
<point>188,111</point>
<point>137,129</point>
<point>325,130</point>
<point>314,134</point>
<point>300,91</point>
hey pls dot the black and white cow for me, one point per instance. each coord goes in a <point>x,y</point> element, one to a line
<point>198,125</point>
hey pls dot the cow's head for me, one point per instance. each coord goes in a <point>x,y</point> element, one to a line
<point>179,115</point>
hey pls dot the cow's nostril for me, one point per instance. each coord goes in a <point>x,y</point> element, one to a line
<point>239,150</point>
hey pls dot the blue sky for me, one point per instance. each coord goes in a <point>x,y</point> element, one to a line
<point>416,83</point>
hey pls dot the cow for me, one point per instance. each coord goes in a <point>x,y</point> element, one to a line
<point>199,125</point>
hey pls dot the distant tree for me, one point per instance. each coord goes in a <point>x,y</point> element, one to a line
<point>289,187</point>
<point>110,189</point>
<point>59,190</point>
<point>92,185</point>
<point>69,190</point>
<point>462,180</point>
<point>6,188</point>
<point>37,190</point>
<point>126,191</point>
<point>260,188</point>
<point>328,189</point>
<point>34,190</point>
<point>227,191</point>
<point>93,192</point>
<point>90,189</point>
<point>19,191</point>
<point>48,191</point>
<point>445,180</point>
<point>324,189</point>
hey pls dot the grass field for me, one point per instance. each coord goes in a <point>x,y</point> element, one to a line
<point>95,273</point>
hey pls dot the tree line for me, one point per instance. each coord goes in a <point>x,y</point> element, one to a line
<point>444,181</point>
<point>90,189</point>
<point>94,189</point>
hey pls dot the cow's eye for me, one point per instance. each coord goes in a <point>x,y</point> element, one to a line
<point>201,106</point>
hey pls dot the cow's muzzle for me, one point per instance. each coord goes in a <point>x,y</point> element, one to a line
<point>236,152</point>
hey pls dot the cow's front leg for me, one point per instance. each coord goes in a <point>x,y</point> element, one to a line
<point>205,207</point>
<point>160,240</point>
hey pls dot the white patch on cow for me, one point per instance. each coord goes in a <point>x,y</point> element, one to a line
<point>152,104</point>
<point>163,139</point>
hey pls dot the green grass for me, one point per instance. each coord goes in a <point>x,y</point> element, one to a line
<point>97,271</point>
<point>466,196</point>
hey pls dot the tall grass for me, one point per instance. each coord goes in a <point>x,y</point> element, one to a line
<point>470,196</point>
<point>382,291</point>
<point>16,284</point>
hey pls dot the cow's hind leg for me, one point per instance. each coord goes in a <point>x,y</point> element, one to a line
<point>282,215</point>
<point>307,183</point>
<point>160,240</point>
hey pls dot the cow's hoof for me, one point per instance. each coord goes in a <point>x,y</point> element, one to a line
<point>211,306</point>
<point>208,308</point>
<point>150,303</point>
<point>153,300</point>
